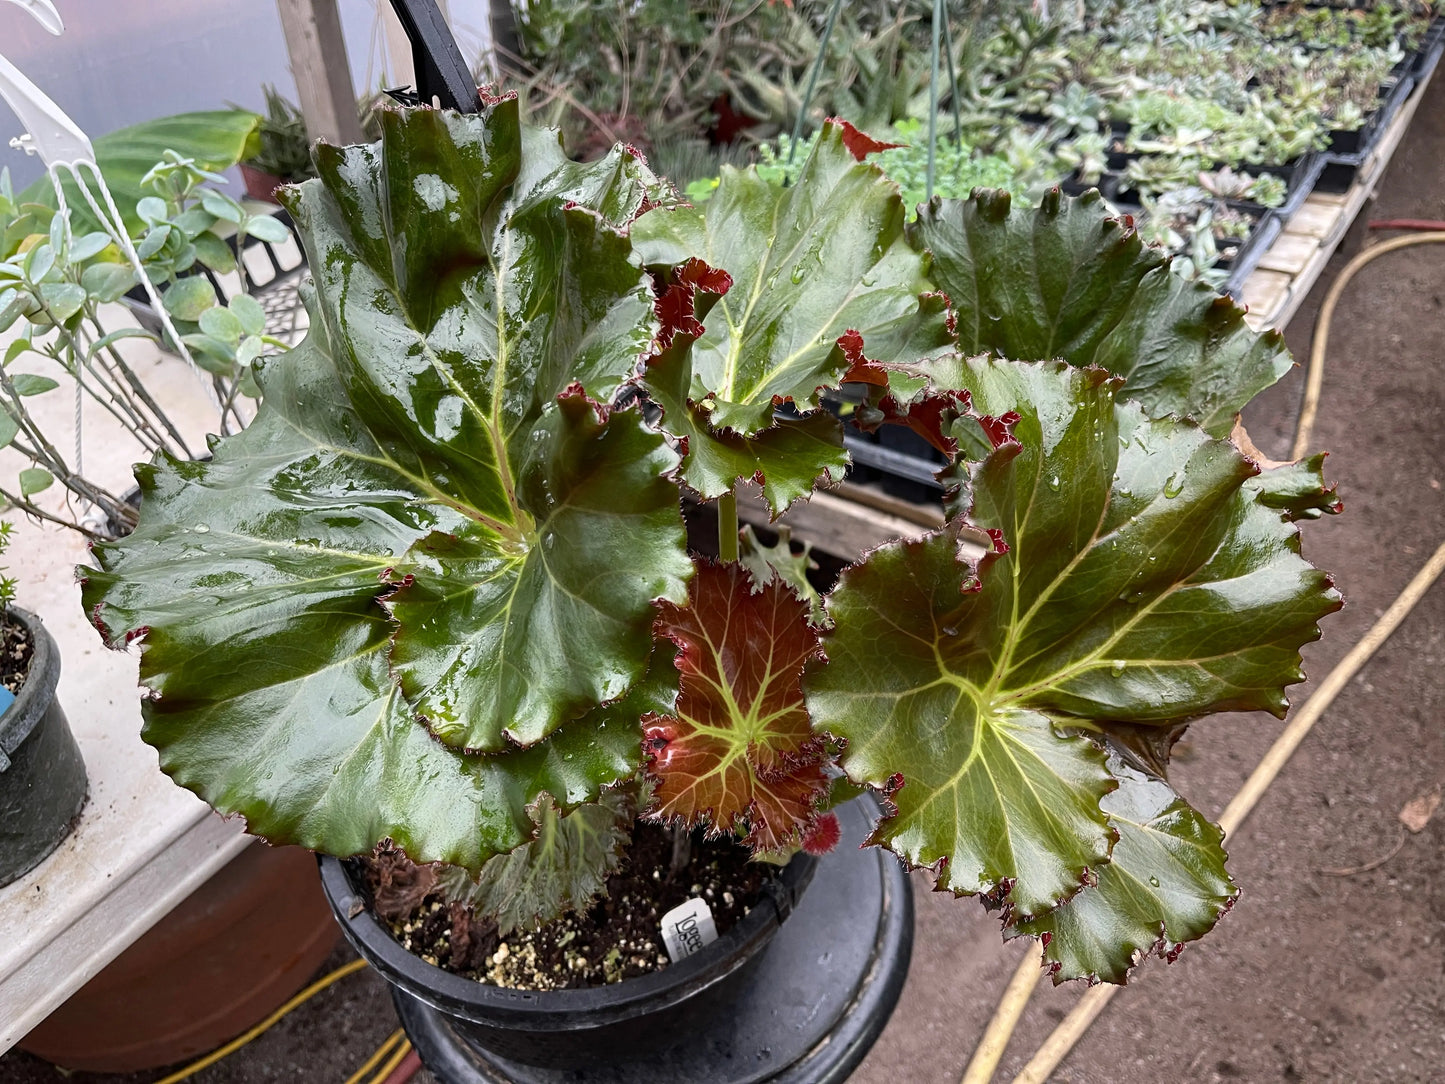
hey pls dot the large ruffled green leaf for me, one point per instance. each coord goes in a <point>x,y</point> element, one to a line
<point>1136,576</point>
<point>1165,884</point>
<point>500,643</point>
<point>475,291</point>
<point>253,579</point>
<point>808,263</point>
<point>439,431</point>
<point>1069,282</point>
<point>991,789</point>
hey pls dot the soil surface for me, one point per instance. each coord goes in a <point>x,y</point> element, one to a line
<point>15,653</point>
<point>619,937</point>
<point>1312,977</point>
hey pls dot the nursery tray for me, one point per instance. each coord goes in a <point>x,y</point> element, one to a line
<point>1247,256</point>
<point>1341,170</point>
<point>1361,139</point>
<point>1428,57</point>
<point>901,462</point>
<point>831,995</point>
<point>1289,270</point>
<point>1300,183</point>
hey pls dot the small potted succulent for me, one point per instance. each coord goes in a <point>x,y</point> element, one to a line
<point>438,606</point>
<point>282,152</point>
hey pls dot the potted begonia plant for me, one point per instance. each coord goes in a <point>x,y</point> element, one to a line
<point>439,596</point>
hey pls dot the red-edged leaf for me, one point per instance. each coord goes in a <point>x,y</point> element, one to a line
<point>678,306</point>
<point>861,370</point>
<point>739,751</point>
<point>859,143</point>
<point>929,415</point>
<point>789,459</point>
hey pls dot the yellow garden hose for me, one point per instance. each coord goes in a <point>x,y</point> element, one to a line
<point>1315,373</point>
<point>244,1038</point>
<point>1021,986</point>
<point>381,1052</point>
<point>1005,1018</point>
<point>384,1073</point>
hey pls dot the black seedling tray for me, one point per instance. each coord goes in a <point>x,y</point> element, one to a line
<point>898,460</point>
<point>1245,258</point>
<point>1362,140</point>
<point>1428,56</point>
<point>1340,169</point>
<point>1299,176</point>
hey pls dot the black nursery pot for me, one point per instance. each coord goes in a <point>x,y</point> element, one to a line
<point>42,776</point>
<point>564,1029</point>
<point>788,1002</point>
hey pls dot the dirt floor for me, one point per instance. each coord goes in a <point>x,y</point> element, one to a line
<point>1312,977</point>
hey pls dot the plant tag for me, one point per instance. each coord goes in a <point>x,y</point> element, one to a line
<point>687,928</point>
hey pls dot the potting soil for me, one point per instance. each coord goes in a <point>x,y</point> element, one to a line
<point>618,937</point>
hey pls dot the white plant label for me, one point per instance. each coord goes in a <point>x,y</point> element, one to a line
<point>687,928</point>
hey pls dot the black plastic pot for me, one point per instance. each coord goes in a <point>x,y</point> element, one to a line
<point>1341,169</point>
<point>766,1001</point>
<point>42,776</point>
<point>568,1029</point>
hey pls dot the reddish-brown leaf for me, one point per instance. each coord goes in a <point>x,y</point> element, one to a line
<point>860,143</point>
<point>739,751</point>
<point>861,369</point>
<point>676,308</point>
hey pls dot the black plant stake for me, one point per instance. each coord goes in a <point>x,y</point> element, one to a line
<point>441,72</point>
